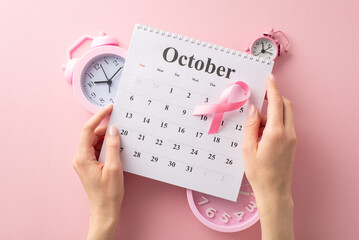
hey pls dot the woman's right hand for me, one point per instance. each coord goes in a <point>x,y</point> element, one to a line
<point>103,182</point>
<point>269,161</point>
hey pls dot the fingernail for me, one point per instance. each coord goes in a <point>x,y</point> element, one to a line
<point>252,110</point>
<point>271,77</point>
<point>113,131</point>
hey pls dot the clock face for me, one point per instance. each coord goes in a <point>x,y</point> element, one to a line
<point>264,48</point>
<point>223,215</point>
<point>100,79</point>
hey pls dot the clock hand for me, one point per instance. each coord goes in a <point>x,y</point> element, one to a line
<point>258,54</point>
<point>101,82</point>
<point>262,45</point>
<point>103,71</point>
<point>115,73</point>
<point>109,81</point>
<point>269,53</point>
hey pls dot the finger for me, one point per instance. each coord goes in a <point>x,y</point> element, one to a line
<point>99,133</point>
<point>87,134</point>
<point>112,146</point>
<point>288,114</point>
<point>251,130</point>
<point>101,130</point>
<point>275,103</point>
<point>96,119</point>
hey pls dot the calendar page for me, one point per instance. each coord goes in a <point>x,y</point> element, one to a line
<point>164,78</point>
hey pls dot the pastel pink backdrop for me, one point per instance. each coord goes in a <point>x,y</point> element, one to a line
<point>40,194</point>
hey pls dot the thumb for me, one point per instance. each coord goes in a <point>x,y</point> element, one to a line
<point>112,146</point>
<point>251,130</point>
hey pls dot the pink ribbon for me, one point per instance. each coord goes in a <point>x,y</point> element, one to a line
<point>223,106</point>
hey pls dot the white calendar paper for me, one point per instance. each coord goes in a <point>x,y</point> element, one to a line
<point>164,78</point>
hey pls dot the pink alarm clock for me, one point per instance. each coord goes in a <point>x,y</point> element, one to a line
<point>96,74</point>
<point>269,46</point>
<point>223,215</point>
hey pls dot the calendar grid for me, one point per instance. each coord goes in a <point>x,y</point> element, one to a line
<point>200,167</point>
<point>187,108</point>
<point>128,110</point>
<point>165,120</point>
<point>191,109</point>
<point>169,140</point>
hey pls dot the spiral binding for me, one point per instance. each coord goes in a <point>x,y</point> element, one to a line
<point>203,43</point>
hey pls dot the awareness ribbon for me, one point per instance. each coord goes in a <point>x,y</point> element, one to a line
<point>217,110</point>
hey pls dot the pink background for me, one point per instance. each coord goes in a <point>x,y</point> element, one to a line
<point>40,194</point>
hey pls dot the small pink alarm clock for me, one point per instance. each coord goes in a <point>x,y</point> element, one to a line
<point>95,75</point>
<point>223,215</point>
<point>270,46</point>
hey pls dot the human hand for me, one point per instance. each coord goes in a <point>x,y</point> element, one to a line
<point>103,182</point>
<point>269,161</point>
